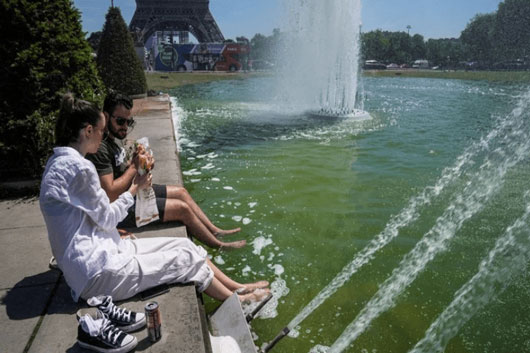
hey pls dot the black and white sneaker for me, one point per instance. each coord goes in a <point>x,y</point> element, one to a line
<point>122,318</point>
<point>101,335</point>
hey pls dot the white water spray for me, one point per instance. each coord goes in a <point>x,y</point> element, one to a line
<point>508,258</point>
<point>487,181</point>
<point>408,215</point>
<point>320,57</point>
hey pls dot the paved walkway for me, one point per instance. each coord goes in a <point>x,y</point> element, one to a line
<point>37,312</point>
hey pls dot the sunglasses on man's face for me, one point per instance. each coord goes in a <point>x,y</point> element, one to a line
<point>122,121</point>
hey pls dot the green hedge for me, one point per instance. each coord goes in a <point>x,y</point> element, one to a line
<point>43,54</point>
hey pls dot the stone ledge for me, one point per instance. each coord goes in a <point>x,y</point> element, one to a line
<point>182,330</point>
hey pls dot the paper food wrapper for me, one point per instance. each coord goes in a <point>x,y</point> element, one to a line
<point>146,210</point>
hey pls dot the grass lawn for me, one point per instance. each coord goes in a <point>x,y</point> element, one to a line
<point>162,81</point>
<point>494,76</point>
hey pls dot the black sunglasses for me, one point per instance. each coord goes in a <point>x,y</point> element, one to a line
<point>122,121</point>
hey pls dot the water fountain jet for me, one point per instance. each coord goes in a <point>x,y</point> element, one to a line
<point>320,58</point>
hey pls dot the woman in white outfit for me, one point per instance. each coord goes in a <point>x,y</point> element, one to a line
<point>81,225</point>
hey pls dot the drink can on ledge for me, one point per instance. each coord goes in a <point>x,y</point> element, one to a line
<point>154,322</point>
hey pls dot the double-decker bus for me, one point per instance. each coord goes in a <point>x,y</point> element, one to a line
<point>205,56</point>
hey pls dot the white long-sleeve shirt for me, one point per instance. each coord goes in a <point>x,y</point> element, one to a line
<point>81,221</point>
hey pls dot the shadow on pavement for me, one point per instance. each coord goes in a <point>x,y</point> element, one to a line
<point>29,297</point>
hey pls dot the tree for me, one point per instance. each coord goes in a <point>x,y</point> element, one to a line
<point>400,45</point>
<point>512,29</point>
<point>118,64</point>
<point>418,48</point>
<point>477,38</point>
<point>242,39</point>
<point>94,39</point>
<point>446,52</point>
<point>258,46</point>
<point>375,45</point>
<point>392,47</point>
<point>44,55</point>
<point>266,48</point>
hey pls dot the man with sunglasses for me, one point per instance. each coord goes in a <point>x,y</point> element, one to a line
<point>116,174</point>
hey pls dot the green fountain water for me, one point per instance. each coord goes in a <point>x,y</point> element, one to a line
<point>440,160</point>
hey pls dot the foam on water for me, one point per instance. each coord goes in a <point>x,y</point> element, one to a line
<point>246,270</point>
<point>356,114</point>
<point>307,126</point>
<point>508,258</point>
<point>341,128</point>
<point>211,155</point>
<point>191,172</point>
<point>260,243</point>
<point>514,146</point>
<point>208,166</point>
<point>177,116</point>
<point>319,349</point>
<point>278,269</point>
<point>279,289</point>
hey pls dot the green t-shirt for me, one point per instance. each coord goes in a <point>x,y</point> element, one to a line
<point>111,157</point>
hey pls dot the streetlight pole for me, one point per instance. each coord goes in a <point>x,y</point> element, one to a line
<point>408,29</point>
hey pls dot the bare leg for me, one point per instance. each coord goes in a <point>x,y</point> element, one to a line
<point>177,210</point>
<point>222,287</point>
<point>233,285</point>
<point>180,193</point>
<point>218,291</point>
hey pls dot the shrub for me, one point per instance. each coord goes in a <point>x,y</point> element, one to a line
<point>43,54</point>
<point>118,64</point>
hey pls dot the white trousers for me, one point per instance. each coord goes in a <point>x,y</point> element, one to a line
<point>153,261</point>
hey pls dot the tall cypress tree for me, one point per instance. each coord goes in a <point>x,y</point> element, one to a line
<point>43,54</point>
<point>118,64</point>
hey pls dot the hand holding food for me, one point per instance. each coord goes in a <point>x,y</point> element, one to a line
<point>141,182</point>
<point>145,159</point>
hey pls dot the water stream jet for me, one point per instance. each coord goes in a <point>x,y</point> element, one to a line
<point>320,58</point>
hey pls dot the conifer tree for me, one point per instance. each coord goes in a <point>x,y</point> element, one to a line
<point>43,54</point>
<point>118,64</point>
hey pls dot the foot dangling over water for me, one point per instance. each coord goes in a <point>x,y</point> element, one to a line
<point>255,296</point>
<point>250,287</point>
<point>233,245</point>
<point>222,233</point>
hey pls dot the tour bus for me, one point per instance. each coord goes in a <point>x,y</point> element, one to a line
<point>205,56</point>
<point>420,64</point>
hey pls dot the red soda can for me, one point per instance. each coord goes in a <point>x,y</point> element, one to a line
<point>154,322</point>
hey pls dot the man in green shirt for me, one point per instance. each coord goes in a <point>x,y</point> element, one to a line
<point>116,174</point>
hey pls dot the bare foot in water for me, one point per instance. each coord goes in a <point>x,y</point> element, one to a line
<point>255,296</point>
<point>250,287</point>
<point>233,245</point>
<point>221,233</point>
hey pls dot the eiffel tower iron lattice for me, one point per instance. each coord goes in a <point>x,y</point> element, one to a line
<point>191,16</point>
